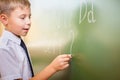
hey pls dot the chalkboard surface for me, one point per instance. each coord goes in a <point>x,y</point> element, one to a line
<point>87,29</point>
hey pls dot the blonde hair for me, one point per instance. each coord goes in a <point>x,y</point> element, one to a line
<point>6,6</point>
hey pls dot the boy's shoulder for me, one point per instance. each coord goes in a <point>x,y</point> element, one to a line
<point>4,40</point>
<point>9,40</point>
<point>3,43</point>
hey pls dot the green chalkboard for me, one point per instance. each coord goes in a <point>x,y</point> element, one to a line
<point>87,29</point>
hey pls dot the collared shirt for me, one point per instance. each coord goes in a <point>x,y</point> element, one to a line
<point>13,61</point>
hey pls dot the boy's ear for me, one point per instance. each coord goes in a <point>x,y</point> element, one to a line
<point>4,19</point>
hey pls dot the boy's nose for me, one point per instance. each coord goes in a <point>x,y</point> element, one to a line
<point>28,22</point>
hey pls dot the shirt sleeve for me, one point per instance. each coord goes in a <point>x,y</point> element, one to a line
<point>9,66</point>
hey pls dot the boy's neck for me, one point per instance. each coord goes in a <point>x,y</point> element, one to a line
<point>13,33</point>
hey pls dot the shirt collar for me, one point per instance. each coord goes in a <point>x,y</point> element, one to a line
<point>10,36</point>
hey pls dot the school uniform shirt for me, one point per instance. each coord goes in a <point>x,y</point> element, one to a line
<point>13,60</point>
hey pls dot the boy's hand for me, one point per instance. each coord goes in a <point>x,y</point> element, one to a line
<point>60,62</point>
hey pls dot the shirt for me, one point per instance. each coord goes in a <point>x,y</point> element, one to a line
<point>13,60</point>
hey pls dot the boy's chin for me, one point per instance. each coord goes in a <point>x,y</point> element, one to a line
<point>23,34</point>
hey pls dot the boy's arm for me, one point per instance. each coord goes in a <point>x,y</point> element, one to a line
<point>18,79</point>
<point>44,74</point>
<point>59,63</point>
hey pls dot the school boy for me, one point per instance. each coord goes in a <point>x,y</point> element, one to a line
<point>14,59</point>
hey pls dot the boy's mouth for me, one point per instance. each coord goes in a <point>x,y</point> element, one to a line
<point>26,29</point>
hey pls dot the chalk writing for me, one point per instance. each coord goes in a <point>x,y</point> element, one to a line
<point>72,40</point>
<point>87,14</point>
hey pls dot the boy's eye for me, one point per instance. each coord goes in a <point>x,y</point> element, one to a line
<point>22,17</point>
<point>25,16</point>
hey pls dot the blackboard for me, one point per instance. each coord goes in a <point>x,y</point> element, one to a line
<point>87,29</point>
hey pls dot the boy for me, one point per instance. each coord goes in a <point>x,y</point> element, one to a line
<point>14,60</point>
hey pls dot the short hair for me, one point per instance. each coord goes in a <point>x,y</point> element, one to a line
<point>6,6</point>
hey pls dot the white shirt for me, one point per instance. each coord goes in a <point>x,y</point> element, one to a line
<point>13,60</point>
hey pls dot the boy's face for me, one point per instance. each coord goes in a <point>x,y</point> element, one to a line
<point>19,21</point>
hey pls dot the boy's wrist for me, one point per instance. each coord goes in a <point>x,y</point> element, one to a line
<point>51,69</point>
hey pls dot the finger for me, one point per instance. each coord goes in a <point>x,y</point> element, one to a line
<point>65,66</point>
<point>63,63</point>
<point>66,59</point>
<point>69,55</point>
<point>66,55</point>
